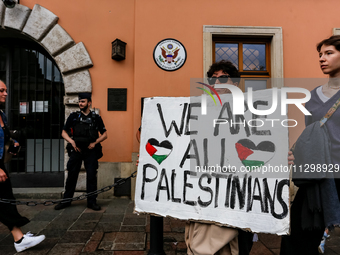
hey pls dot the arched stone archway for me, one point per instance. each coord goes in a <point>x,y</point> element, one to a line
<point>42,26</point>
<point>73,60</point>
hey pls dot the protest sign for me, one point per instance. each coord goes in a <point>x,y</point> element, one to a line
<point>218,167</point>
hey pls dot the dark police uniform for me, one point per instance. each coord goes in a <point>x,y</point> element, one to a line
<point>83,129</point>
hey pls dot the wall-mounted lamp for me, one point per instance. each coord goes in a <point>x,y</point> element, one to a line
<point>10,3</point>
<point>118,49</point>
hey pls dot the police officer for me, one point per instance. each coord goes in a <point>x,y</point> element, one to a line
<point>81,132</point>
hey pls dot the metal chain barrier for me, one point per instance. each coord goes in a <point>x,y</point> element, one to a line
<point>68,200</point>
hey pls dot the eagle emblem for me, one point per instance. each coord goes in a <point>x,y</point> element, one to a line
<point>169,54</point>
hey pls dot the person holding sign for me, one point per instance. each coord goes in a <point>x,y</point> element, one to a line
<point>81,131</point>
<point>316,205</point>
<point>210,239</point>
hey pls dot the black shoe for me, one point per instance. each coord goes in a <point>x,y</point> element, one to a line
<point>94,207</point>
<point>61,206</point>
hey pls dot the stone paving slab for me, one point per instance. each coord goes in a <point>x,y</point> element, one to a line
<point>113,218</point>
<point>116,210</point>
<point>130,253</point>
<point>76,236</point>
<point>91,216</point>
<point>8,240</point>
<point>84,225</point>
<point>115,230</point>
<point>46,215</point>
<point>94,242</point>
<point>54,233</point>
<point>66,249</point>
<point>35,226</point>
<point>6,250</point>
<point>134,221</point>
<point>132,228</point>
<point>260,249</point>
<point>332,250</point>
<point>100,253</point>
<point>129,241</point>
<point>107,227</point>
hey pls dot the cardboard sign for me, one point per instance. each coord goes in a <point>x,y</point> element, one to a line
<point>220,168</point>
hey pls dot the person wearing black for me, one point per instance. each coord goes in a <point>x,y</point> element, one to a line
<point>9,214</point>
<point>316,205</point>
<point>81,131</point>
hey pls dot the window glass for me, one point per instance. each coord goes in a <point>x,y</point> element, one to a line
<point>254,57</point>
<point>227,51</point>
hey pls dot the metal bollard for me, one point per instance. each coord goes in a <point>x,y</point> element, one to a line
<point>156,236</point>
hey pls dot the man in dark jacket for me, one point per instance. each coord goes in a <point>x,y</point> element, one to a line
<point>81,131</point>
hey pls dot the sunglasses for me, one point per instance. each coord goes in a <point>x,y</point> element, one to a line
<point>222,79</point>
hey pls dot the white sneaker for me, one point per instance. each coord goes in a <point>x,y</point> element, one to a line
<point>28,241</point>
<point>321,247</point>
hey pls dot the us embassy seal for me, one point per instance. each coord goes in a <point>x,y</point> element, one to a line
<point>169,54</point>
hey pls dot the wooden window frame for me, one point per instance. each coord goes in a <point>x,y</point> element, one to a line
<point>240,42</point>
<point>272,34</point>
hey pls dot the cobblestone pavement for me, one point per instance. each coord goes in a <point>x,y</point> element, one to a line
<point>114,230</point>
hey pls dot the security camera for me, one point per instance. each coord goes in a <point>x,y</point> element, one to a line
<point>9,3</point>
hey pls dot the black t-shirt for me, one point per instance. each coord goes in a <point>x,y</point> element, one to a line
<point>7,134</point>
<point>72,119</point>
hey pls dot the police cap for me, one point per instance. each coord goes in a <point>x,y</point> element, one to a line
<point>84,96</point>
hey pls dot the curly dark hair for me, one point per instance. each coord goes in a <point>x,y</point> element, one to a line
<point>333,40</point>
<point>226,67</point>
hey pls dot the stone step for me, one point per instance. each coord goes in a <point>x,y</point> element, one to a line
<point>38,193</point>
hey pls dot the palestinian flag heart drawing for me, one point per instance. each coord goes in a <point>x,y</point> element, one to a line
<point>252,155</point>
<point>158,151</point>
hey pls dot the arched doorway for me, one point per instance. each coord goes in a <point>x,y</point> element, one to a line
<point>37,29</point>
<point>35,108</point>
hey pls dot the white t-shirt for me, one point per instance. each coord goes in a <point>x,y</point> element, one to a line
<point>321,94</point>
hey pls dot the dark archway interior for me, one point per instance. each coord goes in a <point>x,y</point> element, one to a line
<point>35,108</point>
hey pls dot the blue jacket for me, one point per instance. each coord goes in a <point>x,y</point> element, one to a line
<point>2,135</point>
